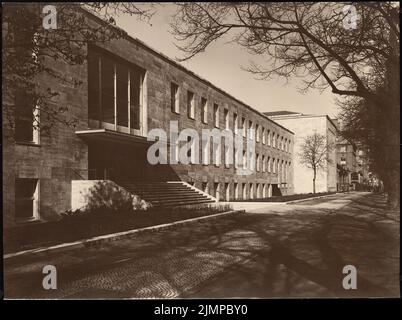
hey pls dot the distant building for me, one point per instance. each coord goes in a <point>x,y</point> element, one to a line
<point>303,125</point>
<point>353,171</point>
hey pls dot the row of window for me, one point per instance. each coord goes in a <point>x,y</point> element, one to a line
<point>26,199</point>
<point>241,191</point>
<point>263,135</point>
<point>258,162</point>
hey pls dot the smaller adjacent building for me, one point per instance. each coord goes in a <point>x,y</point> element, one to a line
<point>303,125</point>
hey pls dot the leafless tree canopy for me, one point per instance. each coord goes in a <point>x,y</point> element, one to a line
<point>309,40</point>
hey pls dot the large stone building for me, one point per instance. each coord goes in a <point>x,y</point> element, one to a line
<point>128,89</point>
<point>304,125</point>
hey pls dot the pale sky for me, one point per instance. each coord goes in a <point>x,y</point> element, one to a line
<point>221,65</point>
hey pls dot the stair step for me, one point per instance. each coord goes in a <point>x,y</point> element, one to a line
<point>180,200</point>
<point>165,194</point>
<point>167,197</point>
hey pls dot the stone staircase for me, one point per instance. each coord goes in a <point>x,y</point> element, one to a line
<point>167,194</point>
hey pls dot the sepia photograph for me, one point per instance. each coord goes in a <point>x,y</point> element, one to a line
<point>200,150</point>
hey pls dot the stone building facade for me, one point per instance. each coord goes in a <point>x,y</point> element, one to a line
<point>304,125</point>
<point>126,90</point>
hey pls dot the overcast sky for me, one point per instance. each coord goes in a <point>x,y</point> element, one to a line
<point>221,65</point>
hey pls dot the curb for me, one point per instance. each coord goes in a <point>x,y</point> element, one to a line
<point>307,199</point>
<point>116,236</point>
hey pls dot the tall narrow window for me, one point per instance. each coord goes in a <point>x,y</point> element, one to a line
<point>244,128</point>
<point>190,105</point>
<point>174,97</point>
<point>217,153</point>
<point>204,110</point>
<point>217,191</point>
<point>26,199</point>
<point>135,98</point>
<point>114,90</point>
<point>206,151</point>
<point>236,123</point>
<point>250,130</point>
<point>257,132</point>
<point>226,116</point>
<point>258,162</point>
<point>244,190</point>
<point>227,191</point>
<point>269,164</point>
<point>216,115</point>
<point>25,116</point>
<point>263,136</point>
<point>251,191</point>
<point>122,95</point>
<point>263,164</point>
<point>269,138</point>
<point>236,190</point>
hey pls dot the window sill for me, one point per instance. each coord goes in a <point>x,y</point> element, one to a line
<point>21,222</point>
<point>175,112</point>
<point>27,143</point>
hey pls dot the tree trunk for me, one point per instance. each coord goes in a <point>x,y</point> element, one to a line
<point>315,175</point>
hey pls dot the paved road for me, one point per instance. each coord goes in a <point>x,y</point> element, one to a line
<point>296,250</point>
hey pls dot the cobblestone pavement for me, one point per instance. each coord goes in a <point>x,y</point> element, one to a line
<point>296,250</point>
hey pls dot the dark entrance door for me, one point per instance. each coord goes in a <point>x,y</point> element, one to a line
<point>116,161</point>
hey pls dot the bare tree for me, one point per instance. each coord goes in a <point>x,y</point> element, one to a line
<point>314,153</point>
<point>316,42</point>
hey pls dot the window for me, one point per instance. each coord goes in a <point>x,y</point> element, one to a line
<point>226,115</point>
<point>216,115</point>
<point>205,188</point>
<point>243,125</point>
<point>258,162</point>
<point>263,164</point>
<point>343,149</point>
<point>273,165</point>
<point>343,160</point>
<point>277,142</point>
<point>251,191</point>
<point>26,199</point>
<point>273,140</point>
<point>206,151</point>
<point>236,189</point>
<point>269,164</point>
<point>217,191</point>
<point>236,123</point>
<point>217,154</point>
<point>258,190</point>
<point>26,116</point>
<point>257,131</point>
<point>263,136</point>
<point>174,98</point>
<point>114,90</point>
<point>269,138</point>
<point>190,105</point>
<point>204,110</point>
<point>244,189</point>
<point>244,160</point>
<point>251,133</point>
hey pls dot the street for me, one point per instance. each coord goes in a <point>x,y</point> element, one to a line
<point>283,250</point>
